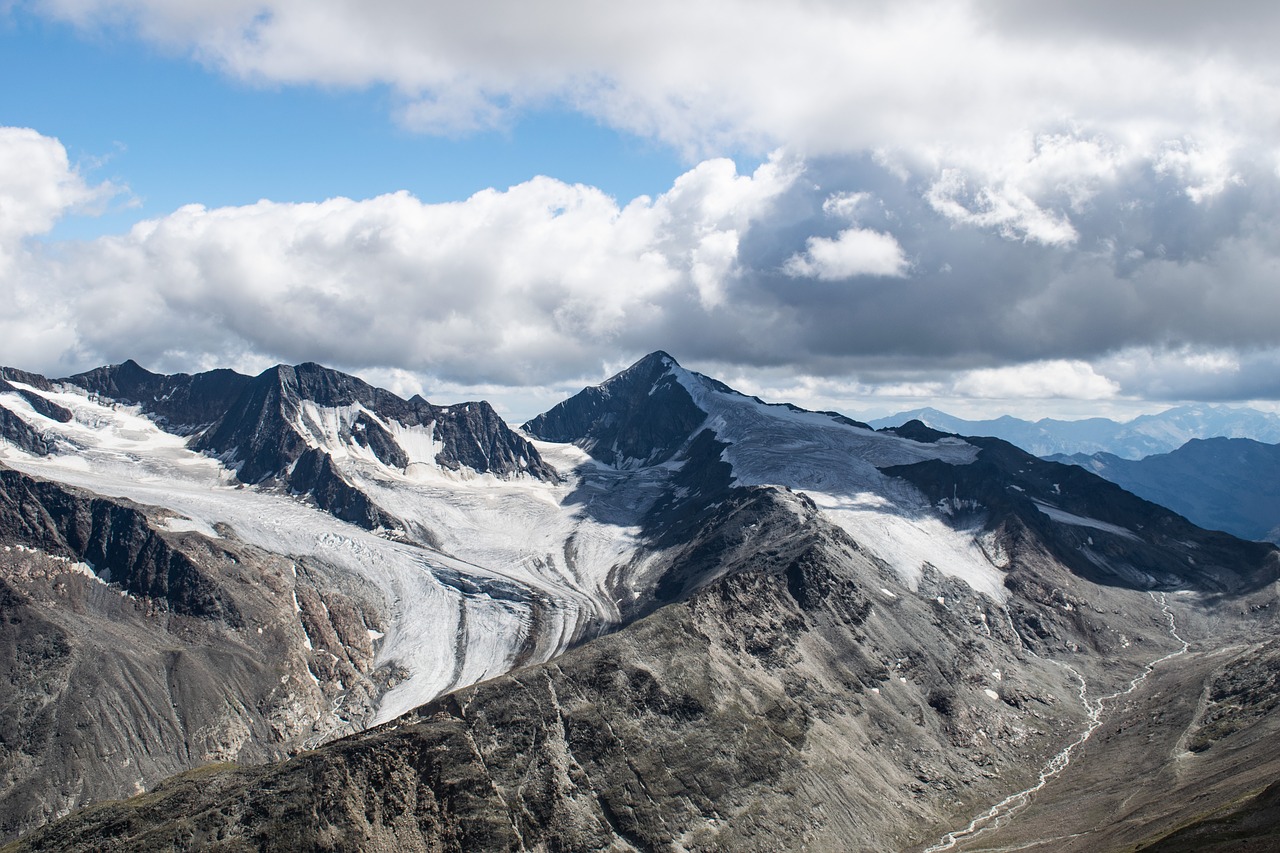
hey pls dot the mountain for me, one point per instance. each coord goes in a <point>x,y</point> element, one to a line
<point>712,623</point>
<point>1143,436</point>
<point>180,403</point>
<point>163,615</point>
<point>1230,484</point>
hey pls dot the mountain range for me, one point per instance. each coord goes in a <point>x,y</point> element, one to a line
<point>1230,484</point>
<point>1145,435</point>
<point>295,611</point>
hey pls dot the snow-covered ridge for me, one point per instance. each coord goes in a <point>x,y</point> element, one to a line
<point>519,566</point>
<point>837,465</point>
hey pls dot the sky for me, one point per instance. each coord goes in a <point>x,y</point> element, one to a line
<point>1058,208</point>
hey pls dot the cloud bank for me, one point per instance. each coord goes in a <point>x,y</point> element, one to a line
<point>825,268</point>
<point>965,198</point>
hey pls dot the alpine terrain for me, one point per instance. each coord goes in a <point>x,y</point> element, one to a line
<point>294,611</point>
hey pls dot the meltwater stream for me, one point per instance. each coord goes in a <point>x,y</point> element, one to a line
<point>1002,811</point>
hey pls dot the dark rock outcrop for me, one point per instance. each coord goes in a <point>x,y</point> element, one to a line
<point>314,474</point>
<point>22,435</point>
<point>180,402</point>
<point>1108,535</point>
<point>1229,484</point>
<point>129,653</point>
<point>260,430</point>
<point>706,724</point>
<point>16,430</point>
<point>641,416</point>
<point>114,538</point>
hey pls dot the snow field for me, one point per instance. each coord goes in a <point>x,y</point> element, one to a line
<point>452,619</point>
<point>836,465</point>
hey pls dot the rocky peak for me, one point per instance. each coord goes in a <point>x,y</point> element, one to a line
<point>12,374</point>
<point>260,431</point>
<point>641,416</point>
<point>44,407</point>
<point>179,402</point>
<point>917,430</point>
<point>1097,529</point>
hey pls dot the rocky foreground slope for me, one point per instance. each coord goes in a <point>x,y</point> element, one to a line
<point>822,637</point>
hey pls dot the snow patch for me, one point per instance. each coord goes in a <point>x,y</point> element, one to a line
<point>177,524</point>
<point>837,466</point>
<point>517,556</point>
<point>1064,517</point>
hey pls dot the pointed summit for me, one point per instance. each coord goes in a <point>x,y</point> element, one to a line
<point>640,416</point>
<point>127,381</point>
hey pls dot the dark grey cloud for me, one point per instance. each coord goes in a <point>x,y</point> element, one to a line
<point>1231,26</point>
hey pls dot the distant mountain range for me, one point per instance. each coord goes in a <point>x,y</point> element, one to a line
<point>1230,484</point>
<point>1142,436</point>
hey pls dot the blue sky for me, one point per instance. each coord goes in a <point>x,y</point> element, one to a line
<point>852,205</point>
<point>174,132</point>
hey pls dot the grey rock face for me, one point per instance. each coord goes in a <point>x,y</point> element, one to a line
<point>17,431</point>
<point>180,402</point>
<point>1140,544</point>
<point>113,536</point>
<point>642,416</point>
<point>772,683</point>
<point>130,654</point>
<point>797,702</point>
<point>255,424</point>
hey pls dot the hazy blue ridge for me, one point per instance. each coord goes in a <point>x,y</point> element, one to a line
<point>1229,484</point>
<point>1143,436</point>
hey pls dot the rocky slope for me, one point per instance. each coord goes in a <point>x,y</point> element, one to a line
<point>180,402</point>
<point>131,652</point>
<point>277,417</point>
<point>803,700</point>
<point>149,637</point>
<point>285,425</point>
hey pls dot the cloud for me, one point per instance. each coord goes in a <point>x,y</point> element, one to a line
<point>1011,122</point>
<point>37,186</point>
<point>853,252</point>
<point>824,76</point>
<point>515,286</point>
<point>1039,380</point>
<point>546,284</point>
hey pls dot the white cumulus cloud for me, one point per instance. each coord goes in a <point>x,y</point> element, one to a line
<point>1042,379</point>
<point>513,285</point>
<point>37,186</point>
<point>853,252</point>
